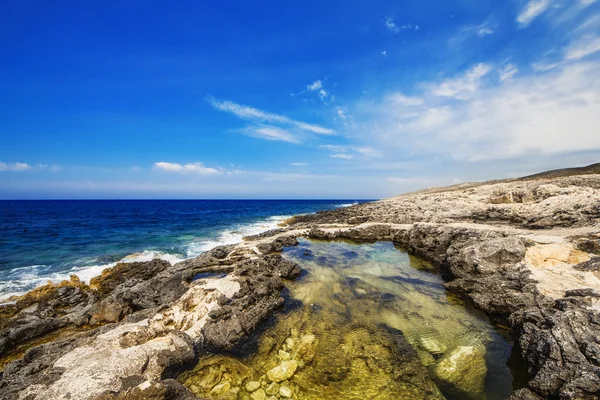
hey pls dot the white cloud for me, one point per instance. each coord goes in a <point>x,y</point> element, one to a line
<point>507,72</point>
<point>316,85</point>
<point>253,114</point>
<point>462,87</point>
<point>322,94</point>
<point>583,47</point>
<point>402,100</point>
<point>22,167</point>
<point>349,152</point>
<point>384,53</point>
<point>299,164</point>
<point>343,156</point>
<point>484,31</point>
<point>274,133</point>
<point>197,168</point>
<point>532,10</point>
<point>585,3</point>
<point>555,112</point>
<point>391,25</point>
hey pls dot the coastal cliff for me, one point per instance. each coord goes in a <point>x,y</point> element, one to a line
<point>524,251</point>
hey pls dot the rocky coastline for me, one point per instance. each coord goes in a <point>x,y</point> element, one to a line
<point>525,251</point>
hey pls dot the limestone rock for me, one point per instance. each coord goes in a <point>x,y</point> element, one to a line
<point>285,391</point>
<point>259,395</point>
<point>283,371</point>
<point>252,386</point>
<point>464,369</point>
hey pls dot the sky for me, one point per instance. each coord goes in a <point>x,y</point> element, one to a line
<point>281,99</point>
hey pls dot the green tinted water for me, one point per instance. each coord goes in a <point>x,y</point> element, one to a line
<point>369,322</point>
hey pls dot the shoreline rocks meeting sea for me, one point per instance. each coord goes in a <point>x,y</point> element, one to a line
<point>526,252</point>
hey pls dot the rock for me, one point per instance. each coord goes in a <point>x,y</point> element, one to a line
<point>252,386</point>
<point>524,394</point>
<point>506,198</point>
<point>259,395</point>
<point>464,370</point>
<point>272,389</point>
<point>221,389</point>
<point>285,391</point>
<point>592,265</point>
<point>283,371</point>
<point>431,345</point>
<point>559,345</point>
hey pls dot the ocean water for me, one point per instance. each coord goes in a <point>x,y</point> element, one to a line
<point>50,240</point>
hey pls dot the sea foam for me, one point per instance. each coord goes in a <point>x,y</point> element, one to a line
<point>20,280</point>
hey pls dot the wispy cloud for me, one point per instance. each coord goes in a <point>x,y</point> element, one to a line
<point>583,47</point>
<point>402,100</point>
<point>532,10</point>
<point>462,87</point>
<point>316,85</point>
<point>507,72</point>
<point>394,28</point>
<point>484,31</point>
<point>195,168</point>
<point>343,156</point>
<point>349,152</point>
<point>23,167</point>
<point>391,25</point>
<point>273,133</point>
<point>289,130</point>
<point>299,164</point>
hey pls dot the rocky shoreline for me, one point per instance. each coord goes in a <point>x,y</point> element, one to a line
<point>527,252</point>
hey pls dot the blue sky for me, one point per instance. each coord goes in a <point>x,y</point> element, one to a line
<point>311,99</point>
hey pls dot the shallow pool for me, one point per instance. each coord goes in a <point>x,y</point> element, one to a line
<point>365,321</point>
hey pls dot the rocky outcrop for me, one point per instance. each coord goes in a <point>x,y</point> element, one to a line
<point>171,318</point>
<point>560,341</point>
<point>524,251</point>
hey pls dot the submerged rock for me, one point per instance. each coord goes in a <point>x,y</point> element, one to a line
<point>464,370</point>
<point>283,371</point>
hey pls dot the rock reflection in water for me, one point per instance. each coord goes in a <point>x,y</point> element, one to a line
<point>374,324</point>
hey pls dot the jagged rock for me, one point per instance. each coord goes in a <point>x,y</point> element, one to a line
<point>167,389</point>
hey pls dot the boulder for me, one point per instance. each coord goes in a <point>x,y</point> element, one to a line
<point>463,371</point>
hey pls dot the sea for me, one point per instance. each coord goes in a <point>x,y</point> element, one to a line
<point>49,240</point>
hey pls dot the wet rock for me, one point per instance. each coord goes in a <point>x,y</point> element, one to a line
<point>285,391</point>
<point>283,371</point>
<point>220,389</point>
<point>464,370</point>
<point>432,345</point>
<point>272,389</point>
<point>252,386</point>
<point>259,395</point>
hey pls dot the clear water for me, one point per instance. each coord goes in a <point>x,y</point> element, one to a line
<point>366,322</point>
<point>49,240</point>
